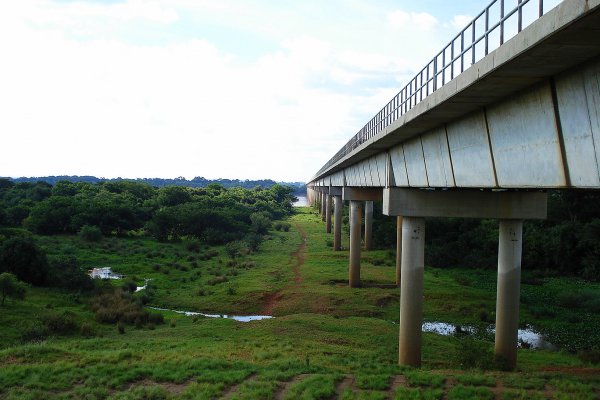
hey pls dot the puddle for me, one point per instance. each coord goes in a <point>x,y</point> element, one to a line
<point>137,289</point>
<point>527,338</point>
<point>240,318</point>
<point>103,273</point>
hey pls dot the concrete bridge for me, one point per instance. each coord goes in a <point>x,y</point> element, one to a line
<point>480,132</point>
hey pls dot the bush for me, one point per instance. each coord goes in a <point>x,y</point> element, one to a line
<point>35,333</point>
<point>261,223</point>
<point>23,258</point>
<point>591,356</point>
<point>235,249</point>
<point>87,330</point>
<point>64,272</point>
<point>282,226</point>
<point>193,246</point>
<point>90,233</point>
<point>118,306</point>
<point>216,280</point>
<point>129,286</point>
<point>471,353</point>
<point>10,286</point>
<point>60,323</point>
<point>253,240</point>
<point>156,319</point>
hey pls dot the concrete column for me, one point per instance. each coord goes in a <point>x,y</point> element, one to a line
<point>337,223</point>
<point>317,204</point>
<point>323,201</point>
<point>398,250</point>
<point>355,222</point>
<point>411,291</point>
<point>368,225</point>
<point>328,213</point>
<point>509,280</point>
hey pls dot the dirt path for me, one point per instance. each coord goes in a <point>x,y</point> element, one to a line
<point>229,393</point>
<point>271,299</point>
<point>299,255</point>
<point>280,394</point>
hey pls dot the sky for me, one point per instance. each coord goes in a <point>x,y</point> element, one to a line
<point>247,89</point>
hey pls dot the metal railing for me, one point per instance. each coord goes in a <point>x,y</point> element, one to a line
<point>445,66</point>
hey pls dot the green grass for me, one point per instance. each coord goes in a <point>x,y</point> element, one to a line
<point>476,380</point>
<point>460,392</point>
<point>323,330</point>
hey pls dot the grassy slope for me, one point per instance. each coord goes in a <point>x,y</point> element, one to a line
<point>326,337</point>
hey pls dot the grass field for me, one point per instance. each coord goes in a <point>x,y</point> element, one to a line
<point>326,340</point>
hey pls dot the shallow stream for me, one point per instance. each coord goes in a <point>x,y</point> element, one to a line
<point>240,318</point>
<point>527,338</point>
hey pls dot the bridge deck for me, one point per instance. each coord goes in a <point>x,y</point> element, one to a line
<point>565,37</point>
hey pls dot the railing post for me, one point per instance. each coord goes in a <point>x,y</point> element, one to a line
<point>520,14</point>
<point>487,28</point>
<point>502,22</point>
<point>473,43</point>
<point>462,51</point>
<point>435,73</point>
<point>444,67</point>
<point>452,60</point>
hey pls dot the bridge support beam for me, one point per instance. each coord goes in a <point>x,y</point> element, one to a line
<point>355,225</point>
<point>509,207</point>
<point>337,223</point>
<point>356,196</point>
<point>368,225</point>
<point>323,201</point>
<point>411,292</point>
<point>328,213</point>
<point>398,249</point>
<point>507,298</point>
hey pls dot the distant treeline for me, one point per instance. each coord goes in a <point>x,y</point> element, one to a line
<point>197,182</point>
<point>213,214</point>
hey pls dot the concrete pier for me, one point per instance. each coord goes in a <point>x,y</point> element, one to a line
<point>368,225</point>
<point>411,292</point>
<point>323,201</point>
<point>510,247</point>
<point>398,250</point>
<point>328,213</point>
<point>355,230</point>
<point>337,223</point>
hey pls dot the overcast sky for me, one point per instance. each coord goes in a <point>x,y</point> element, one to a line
<point>245,89</point>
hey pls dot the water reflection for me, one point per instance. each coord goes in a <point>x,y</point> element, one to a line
<point>301,202</point>
<point>527,338</point>
<point>240,318</point>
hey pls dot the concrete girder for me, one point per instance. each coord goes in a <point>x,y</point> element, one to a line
<point>464,204</point>
<point>361,194</point>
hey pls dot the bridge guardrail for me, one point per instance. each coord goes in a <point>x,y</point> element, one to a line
<point>445,66</point>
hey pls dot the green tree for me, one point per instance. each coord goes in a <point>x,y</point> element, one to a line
<point>64,272</point>
<point>90,233</point>
<point>10,286</point>
<point>23,258</point>
<point>261,223</point>
<point>173,195</point>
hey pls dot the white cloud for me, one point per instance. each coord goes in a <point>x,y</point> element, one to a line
<point>460,21</point>
<point>78,97</point>
<point>410,21</point>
